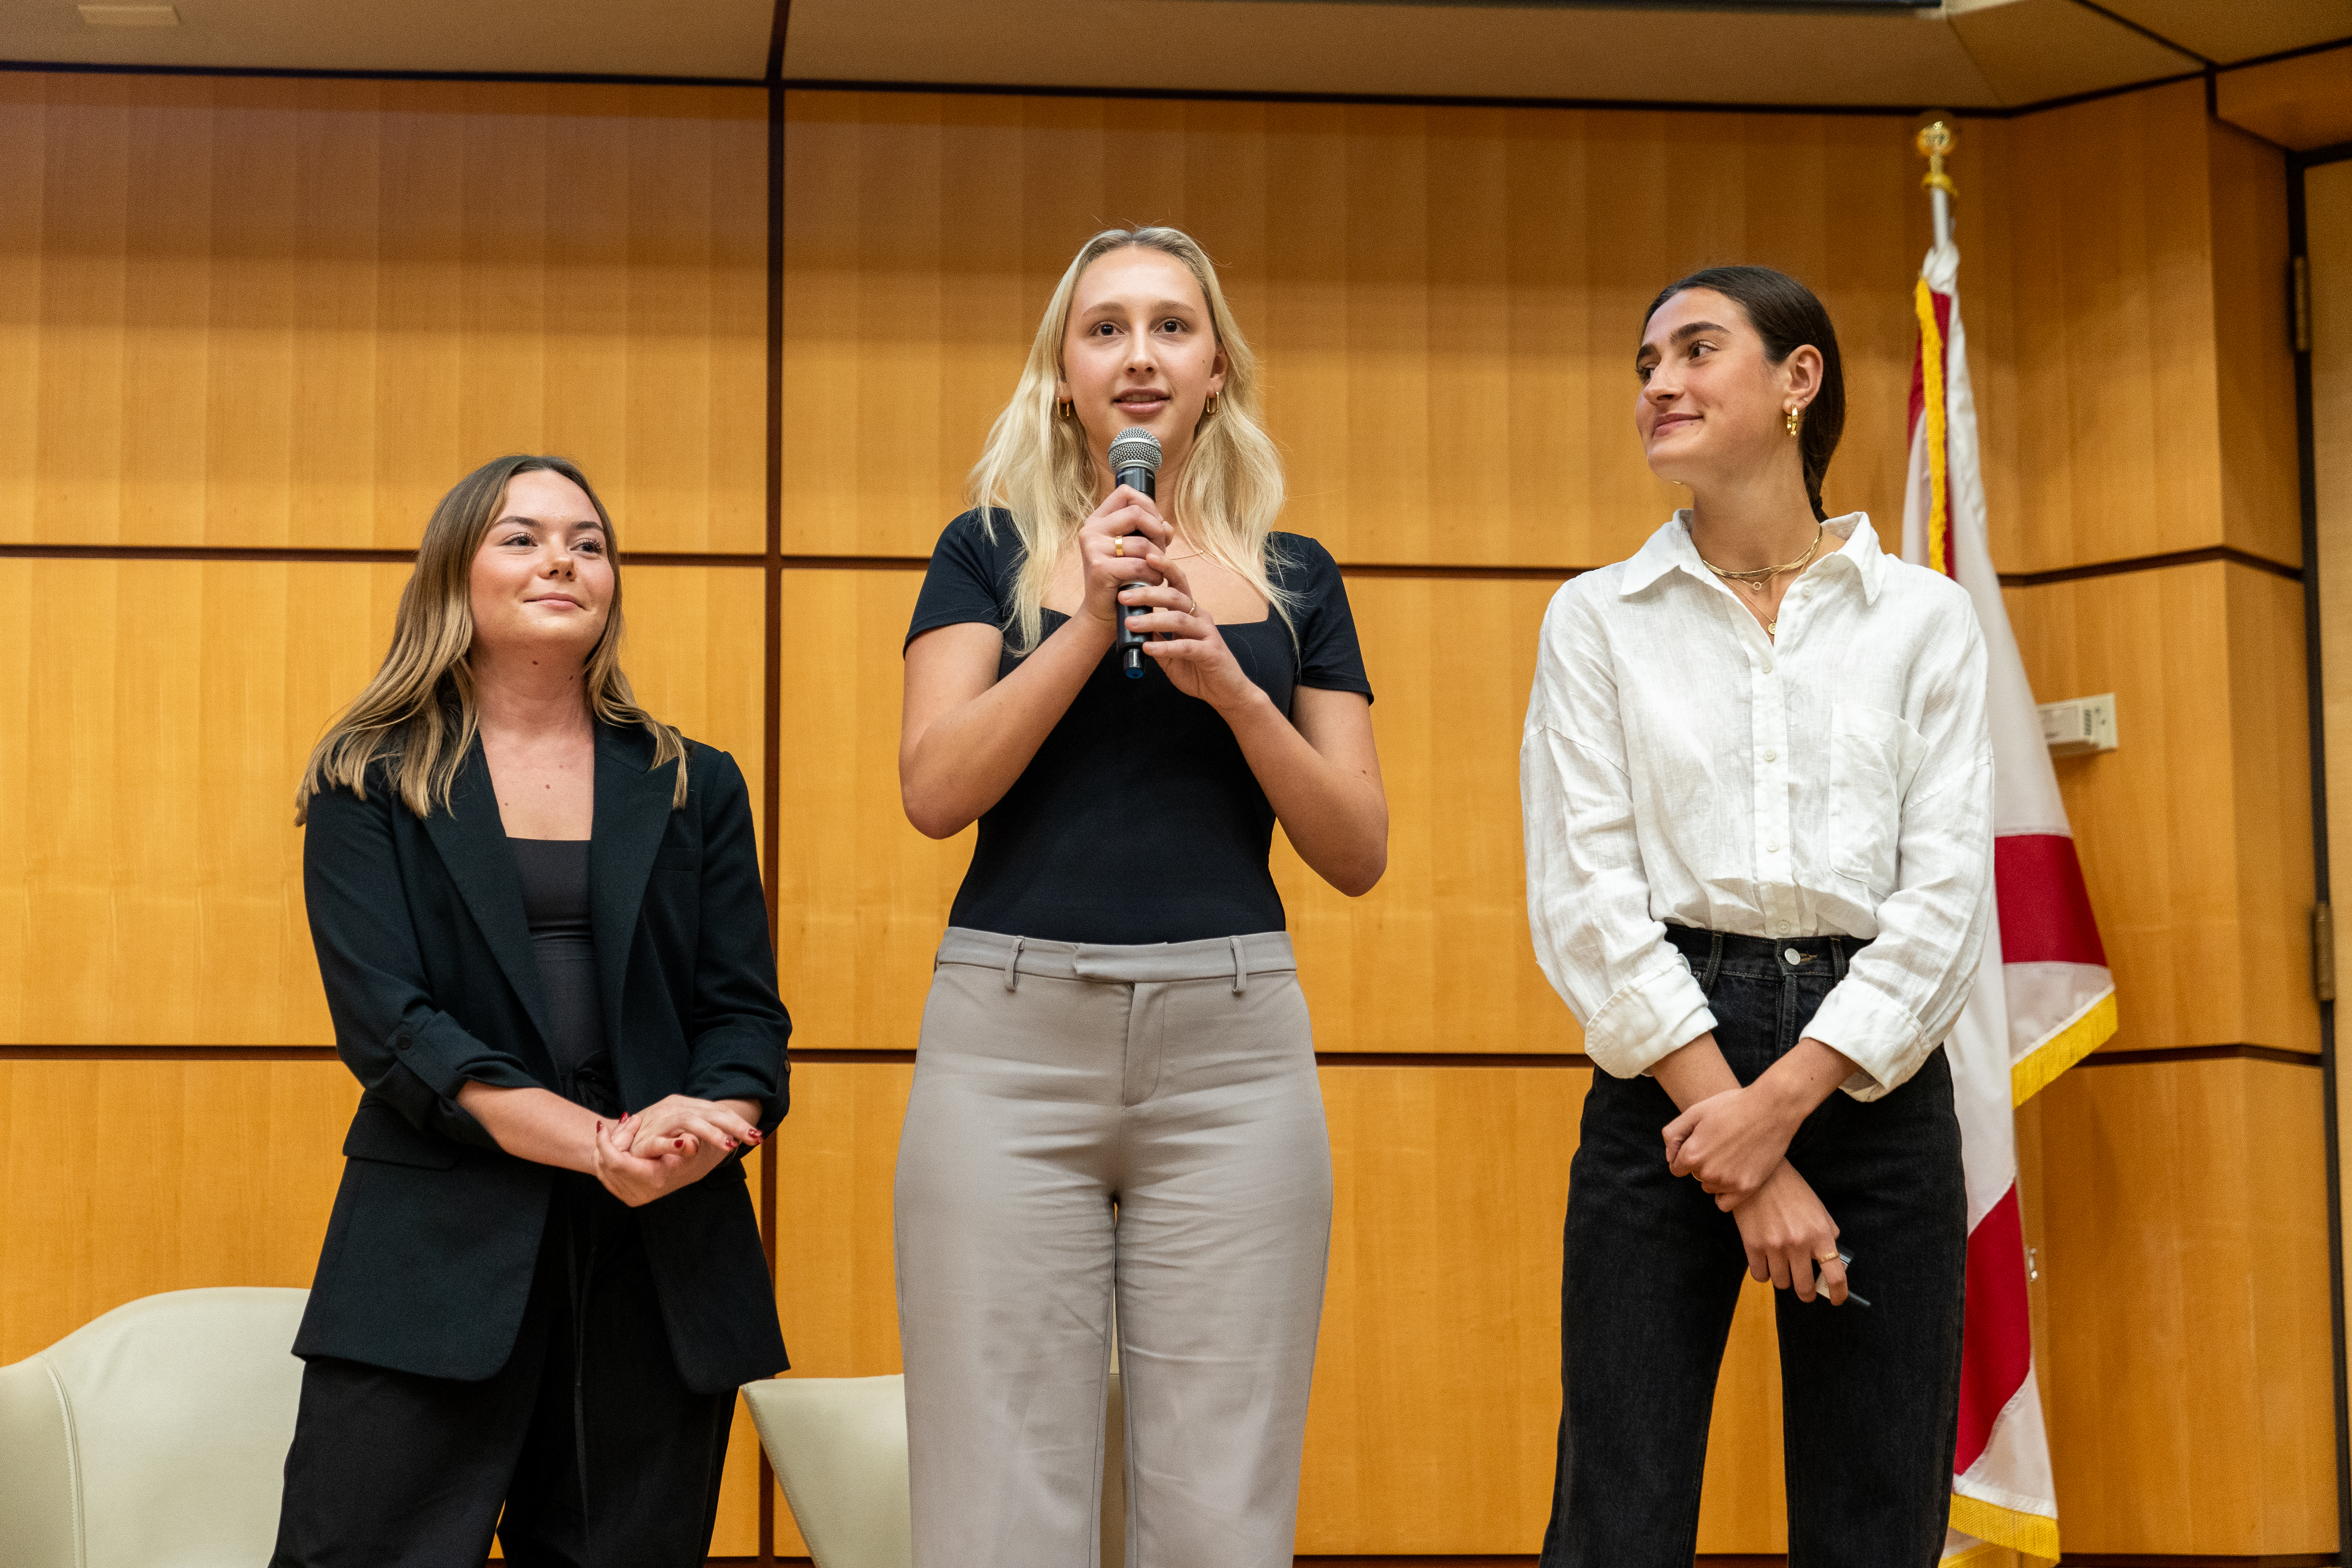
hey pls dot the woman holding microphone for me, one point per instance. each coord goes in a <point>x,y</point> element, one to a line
<point>1757,784</point>
<point>1116,1098</point>
<point>539,919</point>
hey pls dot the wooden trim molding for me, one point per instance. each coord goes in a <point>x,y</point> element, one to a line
<point>2200,1054</point>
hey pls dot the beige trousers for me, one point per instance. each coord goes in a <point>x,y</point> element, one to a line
<point>1087,1122</point>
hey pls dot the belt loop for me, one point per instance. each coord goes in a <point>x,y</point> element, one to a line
<point>1837,957</point>
<point>1241,968</point>
<point>1013,964</point>
<point>1714,962</point>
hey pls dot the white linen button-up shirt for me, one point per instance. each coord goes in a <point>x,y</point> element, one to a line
<point>1678,764</point>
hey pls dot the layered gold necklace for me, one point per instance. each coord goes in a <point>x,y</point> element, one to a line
<point>1757,580</point>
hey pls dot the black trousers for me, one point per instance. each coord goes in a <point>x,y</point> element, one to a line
<point>1870,1395</point>
<point>596,1451</point>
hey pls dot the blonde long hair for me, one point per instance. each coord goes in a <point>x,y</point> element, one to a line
<point>420,712</point>
<point>1036,466</point>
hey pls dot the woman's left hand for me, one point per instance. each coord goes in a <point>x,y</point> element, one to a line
<point>680,1123</point>
<point>1732,1141</point>
<point>1194,653</point>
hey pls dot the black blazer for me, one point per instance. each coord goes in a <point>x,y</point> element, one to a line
<point>431,981</point>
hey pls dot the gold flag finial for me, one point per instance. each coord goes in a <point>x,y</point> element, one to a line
<point>1936,139</point>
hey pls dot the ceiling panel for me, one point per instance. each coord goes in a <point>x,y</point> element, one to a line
<point>2039,49</point>
<point>679,37</point>
<point>2303,102</point>
<point>1897,60</point>
<point>2227,30</point>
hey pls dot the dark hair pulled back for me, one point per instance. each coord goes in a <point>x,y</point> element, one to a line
<point>1787,316</point>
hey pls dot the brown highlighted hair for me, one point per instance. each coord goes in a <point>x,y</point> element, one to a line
<point>420,713</point>
<point>1787,316</point>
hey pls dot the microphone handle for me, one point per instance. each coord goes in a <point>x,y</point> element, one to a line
<point>1130,644</point>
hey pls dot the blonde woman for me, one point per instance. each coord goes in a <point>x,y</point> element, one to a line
<point>1115,1098</point>
<point>539,919</point>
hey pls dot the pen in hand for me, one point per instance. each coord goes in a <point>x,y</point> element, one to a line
<point>1846,1258</point>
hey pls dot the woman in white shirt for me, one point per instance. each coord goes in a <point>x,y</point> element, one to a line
<point>1758,787</point>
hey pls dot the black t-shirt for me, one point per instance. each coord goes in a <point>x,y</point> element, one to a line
<point>1058,858</point>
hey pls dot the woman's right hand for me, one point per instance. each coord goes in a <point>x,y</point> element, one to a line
<point>1789,1238</point>
<point>639,1181</point>
<point>1108,565</point>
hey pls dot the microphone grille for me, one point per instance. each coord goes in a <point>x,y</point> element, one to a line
<point>1137,448</point>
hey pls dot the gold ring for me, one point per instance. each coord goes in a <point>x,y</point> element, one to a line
<point>1118,545</point>
<point>1825,1262</point>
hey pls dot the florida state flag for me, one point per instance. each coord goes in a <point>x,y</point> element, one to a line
<point>2043,996</point>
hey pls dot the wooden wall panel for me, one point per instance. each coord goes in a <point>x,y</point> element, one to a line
<point>221,1173</point>
<point>149,868</point>
<point>2327,215</point>
<point>1436,1391</point>
<point>2254,343</point>
<point>2194,832</point>
<point>1436,958</point>
<point>2184,1257</point>
<point>1437,1379</point>
<point>255,311</point>
<point>2144,241</point>
<point>1446,300</point>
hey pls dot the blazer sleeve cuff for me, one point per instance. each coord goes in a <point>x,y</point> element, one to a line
<point>734,1084</point>
<point>1648,1019</point>
<point>1877,1033</point>
<point>446,1058</point>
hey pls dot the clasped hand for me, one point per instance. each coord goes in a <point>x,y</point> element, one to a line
<point>1736,1145</point>
<point>1733,1141</point>
<point>671,1144</point>
<point>1123,550</point>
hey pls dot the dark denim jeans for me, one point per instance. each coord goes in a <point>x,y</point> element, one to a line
<point>1870,1395</point>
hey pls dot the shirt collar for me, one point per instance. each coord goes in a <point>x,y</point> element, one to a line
<point>1670,549</point>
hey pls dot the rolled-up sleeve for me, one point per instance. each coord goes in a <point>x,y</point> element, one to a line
<point>1904,991</point>
<point>1588,900</point>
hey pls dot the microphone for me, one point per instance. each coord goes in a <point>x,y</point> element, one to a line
<point>1134,459</point>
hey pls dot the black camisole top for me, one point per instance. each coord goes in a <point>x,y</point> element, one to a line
<point>555,902</point>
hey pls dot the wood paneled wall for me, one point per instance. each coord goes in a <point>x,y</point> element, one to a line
<point>286,315</point>
<point>1447,300</point>
<point>237,311</point>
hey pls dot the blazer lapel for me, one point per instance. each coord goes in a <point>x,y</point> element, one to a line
<point>632,814</point>
<point>472,842</point>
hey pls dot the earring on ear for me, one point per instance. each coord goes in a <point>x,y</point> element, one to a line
<point>1793,420</point>
<point>1211,410</point>
<point>1066,409</point>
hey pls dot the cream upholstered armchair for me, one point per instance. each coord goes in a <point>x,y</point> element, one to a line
<point>839,1448</point>
<point>155,1436</point>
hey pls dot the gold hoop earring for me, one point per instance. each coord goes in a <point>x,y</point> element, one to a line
<point>1066,409</point>
<point>1210,412</point>
<point>1793,421</point>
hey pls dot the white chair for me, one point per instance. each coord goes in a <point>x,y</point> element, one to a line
<point>839,1448</point>
<point>155,1436</point>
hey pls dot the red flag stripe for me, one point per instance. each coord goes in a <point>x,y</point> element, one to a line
<point>1997,1345</point>
<point>2045,911</point>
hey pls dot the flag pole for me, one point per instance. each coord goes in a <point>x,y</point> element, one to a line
<point>1936,139</point>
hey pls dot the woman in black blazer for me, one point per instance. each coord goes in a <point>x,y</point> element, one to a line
<point>539,919</point>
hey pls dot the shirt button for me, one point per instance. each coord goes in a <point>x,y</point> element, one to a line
<point>1772,848</point>
<point>1779,928</point>
<point>1771,756</point>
